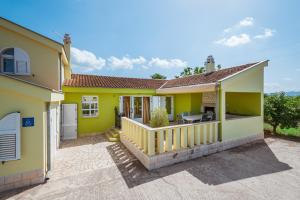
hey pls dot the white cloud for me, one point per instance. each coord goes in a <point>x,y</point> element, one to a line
<point>234,40</point>
<point>125,62</point>
<point>167,63</point>
<point>86,60</point>
<point>267,33</point>
<point>248,21</point>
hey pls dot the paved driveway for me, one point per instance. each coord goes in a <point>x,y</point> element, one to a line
<point>92,168</point>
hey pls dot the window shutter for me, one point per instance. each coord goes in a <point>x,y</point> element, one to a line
<point>21,61</point>
<point>10,137</point>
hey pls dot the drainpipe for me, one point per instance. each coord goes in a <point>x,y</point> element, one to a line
<point>219,109</point>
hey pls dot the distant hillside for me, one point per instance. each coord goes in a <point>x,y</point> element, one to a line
<point>291,93</point>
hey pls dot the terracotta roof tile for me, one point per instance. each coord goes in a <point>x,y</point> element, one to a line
<point>205,77</point>
<point>81,80</point>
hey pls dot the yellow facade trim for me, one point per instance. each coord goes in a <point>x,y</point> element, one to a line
<point>29,89</point>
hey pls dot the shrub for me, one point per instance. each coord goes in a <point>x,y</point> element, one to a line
<point>281,110</point>
<point>159,118</point>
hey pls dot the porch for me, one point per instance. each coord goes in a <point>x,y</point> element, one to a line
<point>163,146</point>
<point>237,119</point>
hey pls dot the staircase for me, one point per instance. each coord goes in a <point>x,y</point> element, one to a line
<point>113,135</point>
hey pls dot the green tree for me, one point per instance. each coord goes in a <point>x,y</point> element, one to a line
<point>186,72</point>
<point>281,110</point>
<point>199,70</point>
<point>158,76</point>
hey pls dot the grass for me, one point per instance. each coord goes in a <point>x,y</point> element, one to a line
<point>285,131</point>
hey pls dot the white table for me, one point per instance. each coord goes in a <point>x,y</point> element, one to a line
<point>192,118</point>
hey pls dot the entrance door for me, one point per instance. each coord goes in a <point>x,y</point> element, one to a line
<point>69,121</point>
<point>137,107</point>
<point>53,133</point>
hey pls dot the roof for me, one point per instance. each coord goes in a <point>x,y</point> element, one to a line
<point>80,80</point>
<point>205,78</point>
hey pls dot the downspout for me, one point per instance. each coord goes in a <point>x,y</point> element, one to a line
<point>219,107</point>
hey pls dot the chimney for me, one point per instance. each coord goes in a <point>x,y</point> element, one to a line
<point>210,64</point>
<point>67,46</point>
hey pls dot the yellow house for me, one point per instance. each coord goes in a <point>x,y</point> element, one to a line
<point>208,112</point>
<point>32,70</point>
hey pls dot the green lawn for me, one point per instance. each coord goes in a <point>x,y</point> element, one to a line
<point>289,132</point>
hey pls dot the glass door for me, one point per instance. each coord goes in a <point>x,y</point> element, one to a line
<point>138,109</point>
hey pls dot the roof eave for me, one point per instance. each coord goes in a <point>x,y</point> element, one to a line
<point>259,64</point>
<point>208,87</point>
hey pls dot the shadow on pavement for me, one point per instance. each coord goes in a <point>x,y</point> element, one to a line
<point>246,161</point>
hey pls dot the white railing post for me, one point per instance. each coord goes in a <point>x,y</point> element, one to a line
<point>145,143</point>
<point>151,143</point>
<point>216,131</point>
<point>183,137</point>
<point>191,142</point>
<point>204,134</point>
<point>168,145</point>
<point>197,134</point>
<point>176,138</point>
<point>160,141</point>
<point>211,134</point>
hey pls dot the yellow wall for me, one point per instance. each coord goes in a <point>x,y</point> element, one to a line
<point>239,128</point>
<point>196,101</point>
<point>248,81</point>
<point>44,60</point>
<point>105,118</point>
<point>187,103</point>
<point>108,99</point>
<point>33,139</point>
<point>243,103</point>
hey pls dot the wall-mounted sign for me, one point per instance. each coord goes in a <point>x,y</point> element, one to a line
<point>28,121</point>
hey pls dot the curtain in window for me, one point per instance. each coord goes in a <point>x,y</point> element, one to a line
<point>126,106</point>
<point>146,109</point>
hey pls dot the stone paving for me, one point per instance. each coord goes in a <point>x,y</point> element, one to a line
<point>93,168</point>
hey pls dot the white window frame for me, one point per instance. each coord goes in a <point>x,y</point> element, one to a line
<point>90,101</point>
<point>17,53</point>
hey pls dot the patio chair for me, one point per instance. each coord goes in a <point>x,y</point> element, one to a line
<point>180,119</point>
<point>210,115</point>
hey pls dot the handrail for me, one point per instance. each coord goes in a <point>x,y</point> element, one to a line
<point>169,138</point>
<point>168,127</point>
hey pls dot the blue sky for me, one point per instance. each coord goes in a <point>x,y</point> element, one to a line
<point>137,38</point>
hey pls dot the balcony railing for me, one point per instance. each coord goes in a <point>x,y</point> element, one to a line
<point>170,138</point>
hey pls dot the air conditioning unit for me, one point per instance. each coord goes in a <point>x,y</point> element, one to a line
<point>10,141</point>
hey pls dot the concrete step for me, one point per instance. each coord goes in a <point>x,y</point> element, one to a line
<point>113,135</point>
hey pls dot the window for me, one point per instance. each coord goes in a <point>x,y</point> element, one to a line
<point>15,61</point>
<point>169,105</point>
<point>89,106</point>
